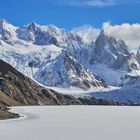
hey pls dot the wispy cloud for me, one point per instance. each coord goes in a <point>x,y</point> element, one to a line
<point>130,33</point>
<point>87,32</point>
<point>93,3</point>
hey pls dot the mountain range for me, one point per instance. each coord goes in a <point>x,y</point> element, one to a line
<point>53,57</point>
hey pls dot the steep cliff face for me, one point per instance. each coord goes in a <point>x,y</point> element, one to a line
<point>113,53</point>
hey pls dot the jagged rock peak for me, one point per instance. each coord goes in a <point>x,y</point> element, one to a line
<point>32,26</point>
<point>7,30</point>
<point>2,21</point>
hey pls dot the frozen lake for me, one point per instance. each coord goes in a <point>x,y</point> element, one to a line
<point>73,123</point>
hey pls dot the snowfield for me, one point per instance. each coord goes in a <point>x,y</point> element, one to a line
<point>72,123</point>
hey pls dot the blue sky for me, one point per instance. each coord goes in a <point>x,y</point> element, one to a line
<point>70,13</point>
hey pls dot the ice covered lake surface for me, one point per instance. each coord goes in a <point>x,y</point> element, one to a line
<point>73,123</point>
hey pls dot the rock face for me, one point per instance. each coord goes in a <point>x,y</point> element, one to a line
<point>106,49</point>
<point>127,63</point>
<point>7,115</point>
<point>114,53</point>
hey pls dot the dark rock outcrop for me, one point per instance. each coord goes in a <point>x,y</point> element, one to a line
<point>96,101</point>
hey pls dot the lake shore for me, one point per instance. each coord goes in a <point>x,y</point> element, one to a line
<point>7,114</point>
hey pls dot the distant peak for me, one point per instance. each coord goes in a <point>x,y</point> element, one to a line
<point>32,26</point>
<point>3,21</point>
<point>4,24</point>
<point>103,36</point>
<point>104,33</point>
<point>54,27</point>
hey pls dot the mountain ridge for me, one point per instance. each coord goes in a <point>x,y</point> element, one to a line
<point>35,50</point>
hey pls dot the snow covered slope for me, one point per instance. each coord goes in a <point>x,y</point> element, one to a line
<point>50,66</point>
<point>66,71</point>
<point>33,52</point>
<point>128,94</point>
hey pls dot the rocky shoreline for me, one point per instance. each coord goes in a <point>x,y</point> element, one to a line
<point>6,114</point>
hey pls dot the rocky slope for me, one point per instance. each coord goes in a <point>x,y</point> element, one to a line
<point>7,115</point>
<point>17,89</point>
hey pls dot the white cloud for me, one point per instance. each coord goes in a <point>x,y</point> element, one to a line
<point>130,33</point>
<point>87,32</point>
<point>93,3</point>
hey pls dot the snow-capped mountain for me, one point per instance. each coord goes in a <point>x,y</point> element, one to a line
<point>107,49</point>
<point>7,31</point>
<point>58,58</point>
<point>66,71</point>
<point>114,53</point>
<point>46,54</point>
<point>111,59</point>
